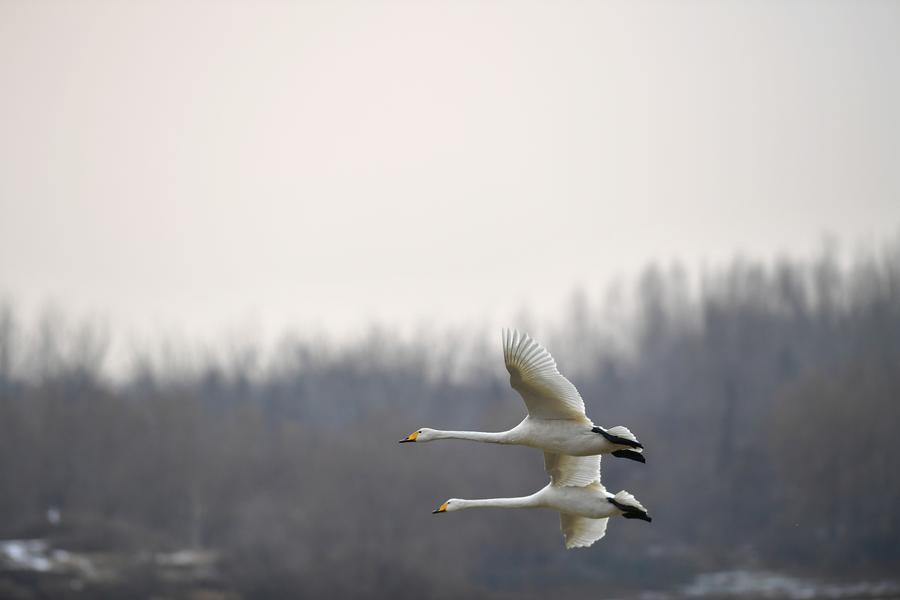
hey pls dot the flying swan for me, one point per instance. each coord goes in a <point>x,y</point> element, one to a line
<point>584,509</point>
<point>556,421</point>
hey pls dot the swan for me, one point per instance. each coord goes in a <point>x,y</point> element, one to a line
<point>556,420</point>
<point>584,509</point>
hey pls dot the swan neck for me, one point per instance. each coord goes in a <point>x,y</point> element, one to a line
<point>523,502</point>
<point>499,437</point>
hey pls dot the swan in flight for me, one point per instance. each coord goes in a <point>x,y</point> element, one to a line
<point>584,508</point>
<point>556,421</point>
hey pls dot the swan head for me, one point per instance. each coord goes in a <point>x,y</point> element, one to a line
<point>420,435</point>
<point>449,506</point>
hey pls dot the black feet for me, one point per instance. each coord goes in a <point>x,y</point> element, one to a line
<point>638,515</point>
<point>616,439</point>
<point>630,512</point>
<point>630,455</point>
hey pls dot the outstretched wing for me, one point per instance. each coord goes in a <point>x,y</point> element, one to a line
<point>581,532</point>
<point>533,373</point>
<point>565,470</point>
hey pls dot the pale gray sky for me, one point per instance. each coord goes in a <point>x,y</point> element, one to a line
<point>191,165</point>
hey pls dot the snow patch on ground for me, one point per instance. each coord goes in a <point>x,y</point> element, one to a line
<point>27,555</point>
<point>37,555</point>
<point>764,584</point>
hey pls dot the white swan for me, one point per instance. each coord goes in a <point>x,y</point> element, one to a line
<point>556,421</point>
<point>584,509</point>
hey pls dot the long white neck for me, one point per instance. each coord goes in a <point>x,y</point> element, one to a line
<point>523,502</point>
<point>499,437</point>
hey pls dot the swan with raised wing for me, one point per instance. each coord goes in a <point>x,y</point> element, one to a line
<point>556,420</point>
<point>584,508</point>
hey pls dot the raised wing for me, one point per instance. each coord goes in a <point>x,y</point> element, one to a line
<point>572,470</point>
<point>533,373</point>
<point>581,532</point>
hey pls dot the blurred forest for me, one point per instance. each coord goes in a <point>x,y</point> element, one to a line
<point>767,396</point>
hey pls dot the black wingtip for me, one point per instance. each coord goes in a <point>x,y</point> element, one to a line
<point>616,439</point>
<point>630,455</point>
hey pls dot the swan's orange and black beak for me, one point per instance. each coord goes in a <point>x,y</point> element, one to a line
<point>410,438</point>
<point>441,508</point>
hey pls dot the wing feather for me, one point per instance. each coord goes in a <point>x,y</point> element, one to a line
<point>533,373</point>
<point>565,470</point>
<point>581,532</point>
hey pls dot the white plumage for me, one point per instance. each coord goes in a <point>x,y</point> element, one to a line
<point>572,470</point>
<point>556,420</point>
<point>581,532</point>
<point>584,508</point>
<point>533,373</point>
<point>572,445</point>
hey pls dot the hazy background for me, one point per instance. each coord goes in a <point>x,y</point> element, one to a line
<point>197,165</point>
<point>243,244</point>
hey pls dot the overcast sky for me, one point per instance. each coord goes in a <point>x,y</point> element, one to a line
<point>193,165</point>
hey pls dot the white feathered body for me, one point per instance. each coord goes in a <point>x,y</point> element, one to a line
<point>556,420</point>
<point>584,510</point>
<point>589,501</point>
<point>557,424</point>
<point>562,436</point>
